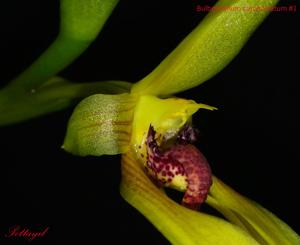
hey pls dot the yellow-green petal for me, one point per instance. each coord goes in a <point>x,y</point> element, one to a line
<point>167,116</point>
<point>264,226</point>
<point>101,124</point>
<point>178,224</point>
<point>207,49</point>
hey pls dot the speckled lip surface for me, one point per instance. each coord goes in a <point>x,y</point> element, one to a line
<point>182,167</point>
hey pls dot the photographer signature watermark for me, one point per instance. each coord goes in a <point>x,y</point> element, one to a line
<point>18,231</point>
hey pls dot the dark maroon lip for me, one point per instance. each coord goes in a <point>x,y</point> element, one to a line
<point>181,158</point>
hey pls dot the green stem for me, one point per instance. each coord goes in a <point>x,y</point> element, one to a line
<point>59,55</point>
<point>81,22</point>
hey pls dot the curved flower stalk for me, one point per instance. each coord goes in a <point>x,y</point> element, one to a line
<point>80,24</point>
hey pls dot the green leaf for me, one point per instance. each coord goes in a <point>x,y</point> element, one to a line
<point>264,226</point>
<point>54,95</point>
<point>101,124</point>
<point>181,226</point>
<point>206,50</point>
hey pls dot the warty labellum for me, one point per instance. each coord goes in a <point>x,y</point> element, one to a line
<point>182,166</point>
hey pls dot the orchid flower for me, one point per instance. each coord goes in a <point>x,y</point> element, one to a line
<point>153,129</point>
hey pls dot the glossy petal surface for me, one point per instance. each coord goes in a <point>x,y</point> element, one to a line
<point>180,225</point>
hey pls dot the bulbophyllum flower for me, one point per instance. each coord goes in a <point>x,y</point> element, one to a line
<point>153,130</point>
<point>149,131</point>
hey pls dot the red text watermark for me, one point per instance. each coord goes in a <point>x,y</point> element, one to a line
<point>208,8</point>
<point>24,232</point>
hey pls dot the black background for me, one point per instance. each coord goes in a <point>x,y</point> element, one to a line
<point>250,141</point>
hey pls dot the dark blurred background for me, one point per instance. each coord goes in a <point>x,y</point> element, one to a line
<point>250,141</point>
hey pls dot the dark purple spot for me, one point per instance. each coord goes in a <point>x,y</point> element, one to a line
<point>187,160</point>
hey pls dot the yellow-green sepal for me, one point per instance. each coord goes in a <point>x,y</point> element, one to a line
<point>181,226</point>
<point>260,223</point>
<point>207,49</point>
<point>100,125</point>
